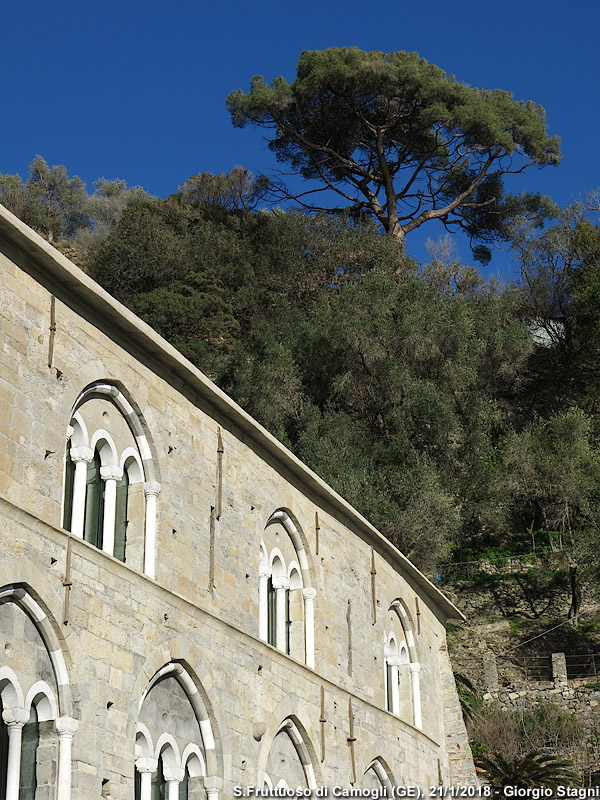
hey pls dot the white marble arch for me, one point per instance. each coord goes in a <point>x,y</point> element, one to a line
<point>17,705</point>
<point>303,748</point>
<point>205,765</point>
<point>378,771</point>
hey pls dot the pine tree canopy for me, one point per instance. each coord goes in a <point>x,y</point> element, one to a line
<point>397,138</point>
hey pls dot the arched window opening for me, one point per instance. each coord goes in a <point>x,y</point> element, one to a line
<point>402,684</point>
<point>111,491</point>
<point>391,675</point>
<point>29,748</point>
<point>192,785</point>
<point>289,762</point>
<point>31,702</point>
<point>389,694</point>
<point>175,748</point>
<point>285,596</point>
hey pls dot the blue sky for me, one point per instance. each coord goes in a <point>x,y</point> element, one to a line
<point>137,90</point>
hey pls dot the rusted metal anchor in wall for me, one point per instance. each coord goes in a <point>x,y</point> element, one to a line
<point>322,721</point>
<point>52,330</point>
<point>351,740</point>
<point>67,583</point>
<point>373,586</point>
<point>219,498</point>
<point>215,511</point>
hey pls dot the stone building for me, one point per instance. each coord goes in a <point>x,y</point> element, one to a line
<point>185,608</point>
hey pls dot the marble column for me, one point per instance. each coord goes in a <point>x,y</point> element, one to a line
<point>151,492</point>
<point>81,457</point>
<point>14,719</point>
<point>308,596</point>
<point>65,730</point>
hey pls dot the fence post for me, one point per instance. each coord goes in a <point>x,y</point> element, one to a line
<point>490,671</point>
<point>559,669</point>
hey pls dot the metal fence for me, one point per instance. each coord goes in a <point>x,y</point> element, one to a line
<point>539,668</point>
<point>583,666</point>
<point>536,668</point>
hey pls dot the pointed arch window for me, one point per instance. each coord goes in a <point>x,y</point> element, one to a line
<point>402,683</point>
<point>175,749</point>
<point>290,762</point>
<point>33,723</point>
<point>285,595</point>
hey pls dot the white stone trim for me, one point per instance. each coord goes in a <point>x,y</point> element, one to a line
<point>383,774</point>
<point>142,732</point>
<point>10,689</point>
<point>191,754</point>
<point>108,455</point>
<point>300,745</point>
<point>45,710</point>
<point>66,727</point>
<point>134,475</point>
<point>167,745</point>
<point>78,433</point>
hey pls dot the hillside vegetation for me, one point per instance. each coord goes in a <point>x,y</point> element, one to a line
<point>459,415</point>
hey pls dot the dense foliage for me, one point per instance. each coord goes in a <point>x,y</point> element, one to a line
<point>452,412</point>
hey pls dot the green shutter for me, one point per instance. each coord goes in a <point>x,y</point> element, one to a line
<point>94,503</point>
<point>69,484</point>
<point>121,517</point>
<point>29,745</point>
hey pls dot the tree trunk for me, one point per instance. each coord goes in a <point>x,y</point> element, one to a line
<point>575,593</point>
